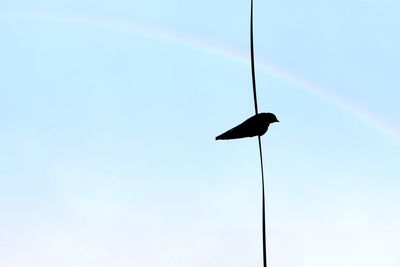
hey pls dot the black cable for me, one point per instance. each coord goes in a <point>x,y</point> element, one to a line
<point>264,234</point>
<point>253,68</point>
<point>253,76</point>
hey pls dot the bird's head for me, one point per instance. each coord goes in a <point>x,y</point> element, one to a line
<point>269,117</point>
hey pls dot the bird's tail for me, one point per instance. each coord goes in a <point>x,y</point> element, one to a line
<point>218,137</point>
<point>230,135</point>
<point>222,137</point>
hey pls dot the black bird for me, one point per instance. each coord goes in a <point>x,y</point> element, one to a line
<point>254,126</point>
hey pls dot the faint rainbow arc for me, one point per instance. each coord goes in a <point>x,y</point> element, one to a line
<point>218,50</point>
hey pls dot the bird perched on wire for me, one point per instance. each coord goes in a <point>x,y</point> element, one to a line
<point>254,126</point>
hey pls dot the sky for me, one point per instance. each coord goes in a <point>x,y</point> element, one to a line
<point>109,112</point>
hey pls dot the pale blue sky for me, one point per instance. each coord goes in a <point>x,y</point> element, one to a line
<point>109,112</point>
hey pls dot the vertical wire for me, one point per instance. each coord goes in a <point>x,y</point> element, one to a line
<point>253,68</point>
<point>264,234</point>
<point>253,76</point>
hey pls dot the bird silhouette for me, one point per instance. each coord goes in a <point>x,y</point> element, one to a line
<point>256,125</point>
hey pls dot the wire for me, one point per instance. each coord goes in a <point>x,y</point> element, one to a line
<point>264,234</point>
<point>253,76</point>
<point>253,68</point>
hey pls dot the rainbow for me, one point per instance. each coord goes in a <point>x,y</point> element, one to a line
<point>216,49</point>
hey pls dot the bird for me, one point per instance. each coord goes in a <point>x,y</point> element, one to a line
<point>256,125</point>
